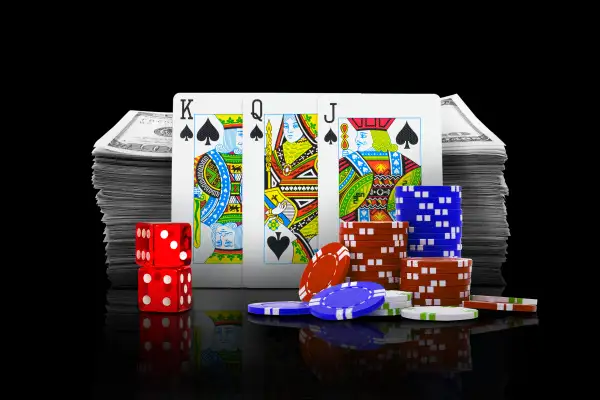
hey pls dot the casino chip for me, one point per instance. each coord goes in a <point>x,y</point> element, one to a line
<point>389,312</point>
<point>433,241</point>
<point>426,230</point>
<point>326,268</point>
<point>443,203</point>
<point>279,308</point>
<point>435,247</point>
<point>414,237</point>
<point>439,313</point>
<point>375,225</point>
<point>353,244</point>
<point>436,302</point>
<point>431,189</point>
<point>347,300</point>
<point>448,292</point>
<point>499,306</point>
<point>367,238</point>
<point>392,296</point>
<point>435,253</point>
<point>500,299</point>
<point>439,262</point>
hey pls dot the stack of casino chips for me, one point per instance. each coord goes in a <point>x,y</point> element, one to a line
<point>376,249</point>
<point>435,218</point>
<point>436,281</point>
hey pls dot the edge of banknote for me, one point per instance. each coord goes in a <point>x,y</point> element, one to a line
<point>481,135</point>
<point>110,142</point>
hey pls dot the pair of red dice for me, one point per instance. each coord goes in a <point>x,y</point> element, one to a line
<point>163,250</point>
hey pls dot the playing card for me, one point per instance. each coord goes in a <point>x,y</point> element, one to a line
<point>207,185</point>
<point>280,187</point>
<point>368,145</point>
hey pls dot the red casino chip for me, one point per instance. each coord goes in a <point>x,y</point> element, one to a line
<point>328,267</point>
<point>367,238</point>
<point>462,295</point>
<point>438,262</point>
<point>374,225</point>
<point>455,279</point>
<point>438,292</point>
<point>377,253</point>
<point>365,276</point>
<point>437,302</point>
<point>374,268</point>
<point>497,306</point>
<point>367,244</point>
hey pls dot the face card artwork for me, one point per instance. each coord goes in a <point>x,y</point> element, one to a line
<point>218,189</point>
<point>376,155</point>
<point>207,183</point>
<point>290,192</point>
<point>282,146</point>
<point>374,143</point>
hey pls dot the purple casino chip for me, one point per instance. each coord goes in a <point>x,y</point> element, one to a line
<point>347,300</point>
<point>279,308</point>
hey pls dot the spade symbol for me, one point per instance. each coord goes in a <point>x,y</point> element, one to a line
<point>208,132</point>
<point>330,137</point>
<point>186,133</point>
<point>278,245</point>
<point>256,133</point>
<point>407,135</point>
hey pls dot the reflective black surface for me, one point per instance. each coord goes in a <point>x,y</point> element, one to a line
<point>217,350</point>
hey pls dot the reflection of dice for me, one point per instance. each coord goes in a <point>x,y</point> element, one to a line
<point>163,244</point>
<point>165,341</point>
<point>165,289</point>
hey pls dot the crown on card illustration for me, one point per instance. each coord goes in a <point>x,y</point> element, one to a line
<point>371,124</point>
<point>230,121</point>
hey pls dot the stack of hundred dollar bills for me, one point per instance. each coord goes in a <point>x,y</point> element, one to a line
<point>132,172</point>
<point>473,157</point>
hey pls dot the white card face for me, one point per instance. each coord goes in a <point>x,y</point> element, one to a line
<point>374,142</point>
<point>280,187</point>
<point>207,183</point>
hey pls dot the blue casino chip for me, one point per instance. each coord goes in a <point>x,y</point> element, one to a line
<point>432,225</point>
<point>348,335</point>
<point>429,202</point>
<point>415,236</point>
<point>279,308</point>
<point>417,216</point>
<point>437,247</point>
<point>434,242</point>
<point>347,300</point>
<point>426,230</point>
<point>435,253</point>
<point>428,191</point>
<point>440,188</point>
<point>410,210</point>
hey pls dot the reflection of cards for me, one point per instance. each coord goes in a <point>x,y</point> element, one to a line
<point>207,183</point>
<point>375,143</point>
<point>280,187</point>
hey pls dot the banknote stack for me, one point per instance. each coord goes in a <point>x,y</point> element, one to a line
<point>473,158</point>
<point>132,172</point>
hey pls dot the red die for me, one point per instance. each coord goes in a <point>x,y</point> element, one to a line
<point>163,244</point>
<point>165,289</point>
